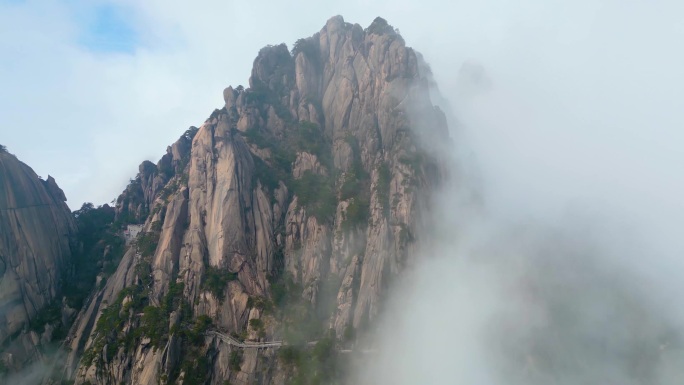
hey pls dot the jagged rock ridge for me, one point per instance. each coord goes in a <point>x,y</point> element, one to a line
<point>286,214</point>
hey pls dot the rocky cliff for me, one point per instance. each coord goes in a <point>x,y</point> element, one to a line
<point>37,232</point>
<point>285,216</point>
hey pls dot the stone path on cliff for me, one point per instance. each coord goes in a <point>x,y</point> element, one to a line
<point>234,342</point>
<point>270,344</point>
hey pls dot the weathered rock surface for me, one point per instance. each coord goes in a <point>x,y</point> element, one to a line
<point>310,181</point>
<point>36,234</point>
<point>133,205</point>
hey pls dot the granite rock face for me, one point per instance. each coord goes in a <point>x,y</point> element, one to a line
<point>306,187</point>
<point>37,232</point>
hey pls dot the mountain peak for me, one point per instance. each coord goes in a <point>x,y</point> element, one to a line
<point>303,192</point>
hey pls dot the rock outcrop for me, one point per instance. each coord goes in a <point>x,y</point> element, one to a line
<point>37,232</point>
<point>287,214</point>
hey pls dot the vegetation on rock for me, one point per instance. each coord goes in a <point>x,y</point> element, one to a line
<point>216,280</point>
<point>383,187</point>
<point>320,365</point>
<point>315,195</point>
<point>100,250</point>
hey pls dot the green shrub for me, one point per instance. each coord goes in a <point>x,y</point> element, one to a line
<point>196,369</point>
<point>173,297</point>
<point>278,293</point>
<point>305,137</point>
<point>256,323</point>
<point>268,176</point>
<point>319,365</point>
<point>167,169</point>
<point>109,329</point>
<point>137,296</point>
<point>143,270</point>
<point>195,363</point>
<point>261,96</point>
<point>147,243</point>
<point>405,235</point>
<point>413,160</point>
<point>195,335</point>
<point>260,303</point>
<point>351,185</point>
<point>258,326</point>
<point>168,190</point>
<point>290,355</point>
<point>155,325</point>
<point>215,281</point>
<point>324,349</point>
<point>235,360</point>
<point>109,319</point>
<point>354,188</point>
<point>315,195</point>
<point>257,95</point>
<point>100,244</point>
<point>190,133</point>
<point>379,26</point>
<point>308,46</point>
<point>282,157</point>
<point>310,138</point>
<point>257,138</point>
<point>357,213</point>
<point>285,291</point>
<point>357,164</point>
<point>157,225</point>
<point>383,187</point>
<point>349,333</point>
<point>50,314</point>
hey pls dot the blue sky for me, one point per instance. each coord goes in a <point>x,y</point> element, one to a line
<point>109,29</point>
<point>99,26</point>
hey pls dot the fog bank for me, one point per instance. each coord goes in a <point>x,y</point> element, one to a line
<point>568,268</point>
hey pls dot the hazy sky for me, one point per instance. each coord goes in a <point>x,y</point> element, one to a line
<point>586,107</point>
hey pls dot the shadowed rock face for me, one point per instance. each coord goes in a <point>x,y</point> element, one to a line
<point>308,186</point>
<point>36,228</point>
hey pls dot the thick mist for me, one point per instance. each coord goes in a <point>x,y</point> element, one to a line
<point>580,297</point>
<point>526,305</point>
<point>555,249</point>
